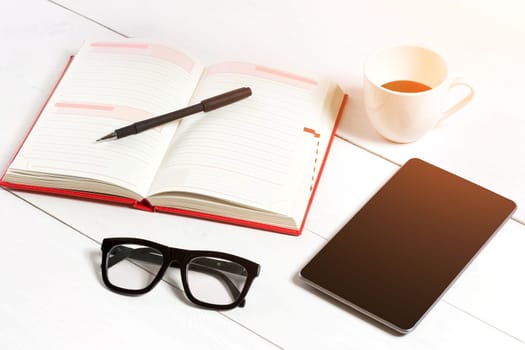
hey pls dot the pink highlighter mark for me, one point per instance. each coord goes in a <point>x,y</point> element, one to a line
<point>84,106</point>
<point>158,51</point>
<point>172,55</point>
<point>104,111</point>
<point>262,72</point>
<point>286,75</point>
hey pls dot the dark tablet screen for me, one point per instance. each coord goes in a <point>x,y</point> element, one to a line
<point>401,251</point>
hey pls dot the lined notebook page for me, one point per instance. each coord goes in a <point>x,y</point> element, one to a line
<point>110,85</point>
<point>256,152</point>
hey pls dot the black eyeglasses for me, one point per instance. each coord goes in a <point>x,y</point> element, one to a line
<point>211,279</point>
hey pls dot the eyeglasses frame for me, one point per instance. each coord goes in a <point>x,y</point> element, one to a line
<point>177,257</point>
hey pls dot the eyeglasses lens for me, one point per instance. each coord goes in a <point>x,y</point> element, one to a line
<point>216,281</point>
<point>133,266</point>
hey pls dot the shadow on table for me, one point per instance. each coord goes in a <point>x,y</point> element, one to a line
<point>355,125</point>
<point>95,256</point>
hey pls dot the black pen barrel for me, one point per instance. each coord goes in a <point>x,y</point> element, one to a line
<point>143,125</point>
<point>205,105</point>
<point>168,117</point>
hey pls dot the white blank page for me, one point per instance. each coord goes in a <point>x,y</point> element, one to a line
<point>250,152</point>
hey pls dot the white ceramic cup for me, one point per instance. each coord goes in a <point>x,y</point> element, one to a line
<point>406,116</point>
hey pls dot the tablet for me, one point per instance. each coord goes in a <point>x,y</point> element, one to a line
<point>400,252</point>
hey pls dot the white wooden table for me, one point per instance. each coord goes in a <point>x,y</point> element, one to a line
<point>52,297</point>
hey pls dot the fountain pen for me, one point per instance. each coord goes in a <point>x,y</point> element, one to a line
<point>203,106</point>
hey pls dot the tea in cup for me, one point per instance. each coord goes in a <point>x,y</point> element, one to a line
<point>405,89</point>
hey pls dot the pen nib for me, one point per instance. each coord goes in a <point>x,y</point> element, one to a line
<point>110,136</point>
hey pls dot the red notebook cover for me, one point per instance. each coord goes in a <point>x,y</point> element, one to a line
<point>145,205</point>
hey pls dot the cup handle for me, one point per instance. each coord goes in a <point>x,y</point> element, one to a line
<point>461,103</point>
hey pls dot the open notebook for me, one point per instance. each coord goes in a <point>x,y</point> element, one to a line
<point>255,162</point>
